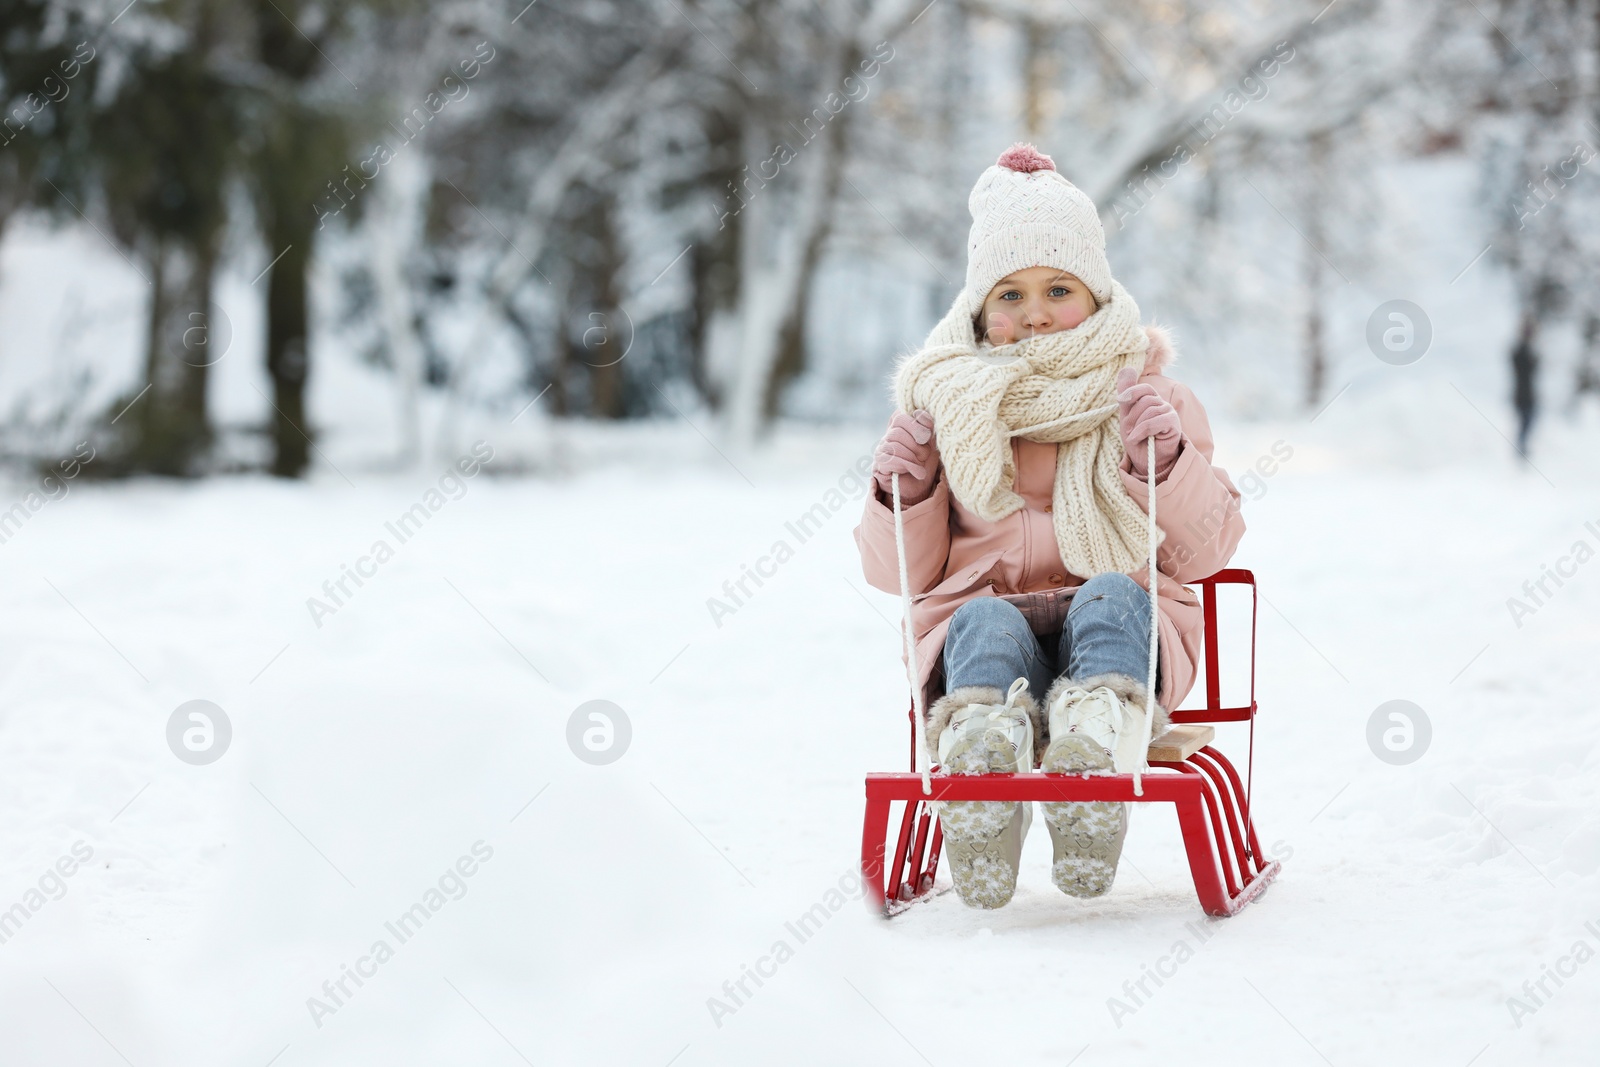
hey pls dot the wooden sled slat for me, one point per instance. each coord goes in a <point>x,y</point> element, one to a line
<point>1179,743</point>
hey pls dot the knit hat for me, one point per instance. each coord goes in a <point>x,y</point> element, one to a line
<point>1025,214</point>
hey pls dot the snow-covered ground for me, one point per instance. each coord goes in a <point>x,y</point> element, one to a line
<point>406,745</point>
<point>430,712</point>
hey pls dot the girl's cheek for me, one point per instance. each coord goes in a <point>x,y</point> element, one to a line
<point>1072,316</point>
<point>999,330</point>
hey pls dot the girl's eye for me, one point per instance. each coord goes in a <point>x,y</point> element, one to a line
<point>1009,294</point>
<point>1059,291</point>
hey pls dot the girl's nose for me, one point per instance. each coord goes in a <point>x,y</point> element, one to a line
<point>1036,317</point>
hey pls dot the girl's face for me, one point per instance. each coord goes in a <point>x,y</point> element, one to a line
<point>1034,301</point>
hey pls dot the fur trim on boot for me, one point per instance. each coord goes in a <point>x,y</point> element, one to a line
<point>1126,688</point>
<point>946,706</point>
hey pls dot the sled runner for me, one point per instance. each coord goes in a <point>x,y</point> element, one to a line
<point>1185,770</point>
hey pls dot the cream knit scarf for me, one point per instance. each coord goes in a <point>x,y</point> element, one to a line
<point>1058,387</point>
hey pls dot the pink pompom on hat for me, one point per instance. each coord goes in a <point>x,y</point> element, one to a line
<point>1024,159</point>
<point>1025,214</point>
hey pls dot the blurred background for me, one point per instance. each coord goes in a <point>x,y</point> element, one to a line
<point>403,382</point>
<point>352,229</point>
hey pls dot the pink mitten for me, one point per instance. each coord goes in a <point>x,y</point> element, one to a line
<point>1141,413</point>
<point>910,449</point>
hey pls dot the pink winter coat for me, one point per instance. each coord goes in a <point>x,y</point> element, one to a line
<point>952,555</point>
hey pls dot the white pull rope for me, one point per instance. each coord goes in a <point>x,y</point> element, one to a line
<point>924,761</point>
<point>1155,623</point>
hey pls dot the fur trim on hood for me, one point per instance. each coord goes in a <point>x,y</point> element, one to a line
<point>945,707</point>
<point>1163,350</point>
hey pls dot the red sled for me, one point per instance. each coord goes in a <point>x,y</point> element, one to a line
<point>1213,807</point>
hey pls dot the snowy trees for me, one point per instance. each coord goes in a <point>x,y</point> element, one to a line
<point>185,101</point>
<point>1540,142</point>
<point>298,142</point>
<point>160,156</point>
<point>718,127</point>
<point>622,208</point>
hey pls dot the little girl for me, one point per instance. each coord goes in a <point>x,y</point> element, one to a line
<point>1026,530</point>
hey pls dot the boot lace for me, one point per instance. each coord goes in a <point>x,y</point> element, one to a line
<point>983,717</point>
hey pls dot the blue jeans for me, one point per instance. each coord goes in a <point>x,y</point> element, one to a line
<point>1107,629</point>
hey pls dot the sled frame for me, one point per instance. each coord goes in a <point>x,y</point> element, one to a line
<point>1213,806</point>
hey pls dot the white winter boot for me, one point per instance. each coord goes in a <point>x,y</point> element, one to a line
<point>1096,727</point>
<point>981,732</point>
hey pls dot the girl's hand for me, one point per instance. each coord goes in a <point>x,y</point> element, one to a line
<point>1141,413</point>
<point>909,448</point>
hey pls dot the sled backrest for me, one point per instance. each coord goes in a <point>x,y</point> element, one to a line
<point>1214,711</point>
